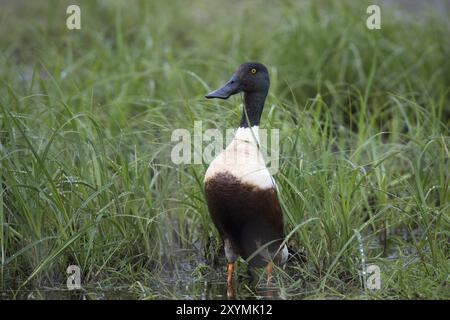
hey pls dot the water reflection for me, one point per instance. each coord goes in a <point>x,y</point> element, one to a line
<point>196,290</point>
<point>185,277</point>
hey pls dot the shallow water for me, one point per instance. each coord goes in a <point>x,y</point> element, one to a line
<point>184,276</point>
<point>200,290</point>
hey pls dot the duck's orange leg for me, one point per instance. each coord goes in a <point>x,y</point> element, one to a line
<point>269,269</point>
<point>268,294</point>
<point>230,290</point>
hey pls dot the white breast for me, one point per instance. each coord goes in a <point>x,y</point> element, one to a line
<point>243,159</point>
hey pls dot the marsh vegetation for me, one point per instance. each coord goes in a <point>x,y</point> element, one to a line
<point>86,118</point>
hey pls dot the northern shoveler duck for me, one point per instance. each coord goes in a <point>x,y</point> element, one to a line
<point>240,192</point>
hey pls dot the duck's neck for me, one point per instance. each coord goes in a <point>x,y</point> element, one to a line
<point>253,106</point>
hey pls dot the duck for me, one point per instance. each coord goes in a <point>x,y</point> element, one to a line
<point>240,192</point>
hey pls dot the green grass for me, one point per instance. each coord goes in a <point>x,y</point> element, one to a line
<point>86,119</point>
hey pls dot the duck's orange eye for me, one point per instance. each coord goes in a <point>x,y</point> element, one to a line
<point>253,71</point>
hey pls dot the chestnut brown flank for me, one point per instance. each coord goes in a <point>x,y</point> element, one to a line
<point>245,214</point>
